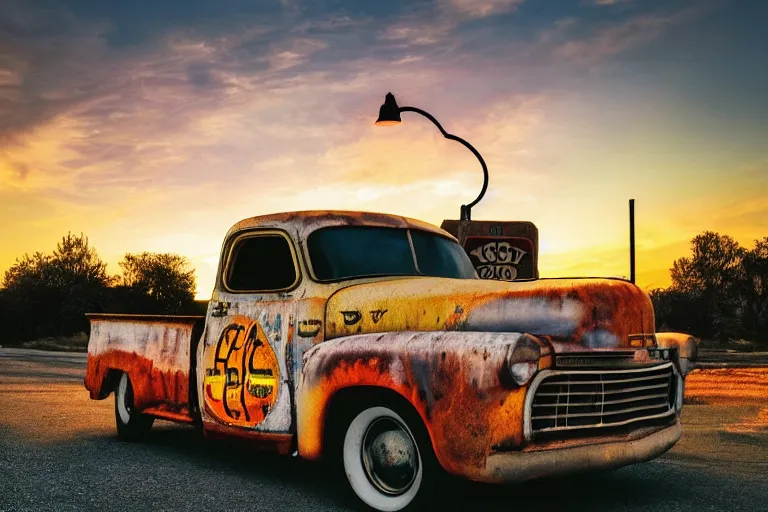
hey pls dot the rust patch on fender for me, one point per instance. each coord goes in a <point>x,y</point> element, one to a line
<point>451,379</point>
<point>155,353</point>
<point>152,388</point>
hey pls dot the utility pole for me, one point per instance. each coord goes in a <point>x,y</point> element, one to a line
<point>632,240</point>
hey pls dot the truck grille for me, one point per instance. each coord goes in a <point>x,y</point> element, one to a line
<point>573,400</point>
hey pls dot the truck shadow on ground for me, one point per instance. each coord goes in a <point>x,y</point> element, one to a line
<point>618,489</point>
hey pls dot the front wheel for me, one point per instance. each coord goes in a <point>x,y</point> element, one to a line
<point>131,425</point>
<point>389,465</point>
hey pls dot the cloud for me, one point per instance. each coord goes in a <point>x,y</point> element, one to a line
<point>508,124</point>
<point>155,116</point>
<point>331,24</point>
<point>613,39</point>
<point>578,41</point>
<point>10,78</point>
<point>610,2</point>
<point>13,171</point>
<point>418,32</point>
<point>408,59</point>
<point>441,24</point>
<point>292,53</point>
<point>48,60</point>
<point>137,126</point>
<point>481,8</point>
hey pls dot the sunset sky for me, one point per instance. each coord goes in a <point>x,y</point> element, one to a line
<point>153,125</point>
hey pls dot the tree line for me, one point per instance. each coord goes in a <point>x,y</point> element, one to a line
<point>719,292</point>
<point>47,295</point>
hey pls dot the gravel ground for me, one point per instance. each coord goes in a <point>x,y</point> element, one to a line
<point>58,451</point>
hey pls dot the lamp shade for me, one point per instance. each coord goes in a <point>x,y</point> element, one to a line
<point>389,113</point>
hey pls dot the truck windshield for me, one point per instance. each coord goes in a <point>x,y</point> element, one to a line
<point>348,252</point>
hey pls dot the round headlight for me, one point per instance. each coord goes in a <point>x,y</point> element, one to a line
<point>522,372</point>
<point>523,360</point>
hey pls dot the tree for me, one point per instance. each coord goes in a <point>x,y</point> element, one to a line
<point>710,278</point>
<point>80,278</point>
<point>714,264</point>
<point>27,270</point>
<point>755,290</point>
<point>48,295</point>
<point>28,301</point>
<point>75,263</point>
<point>677,311</point>
<point>160,283</point>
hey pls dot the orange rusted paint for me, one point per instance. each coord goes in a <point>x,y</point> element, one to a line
<point>152,388</point>
<point>161,411</point>
<point>453,380</point>
<point>152,350</point>
<point>270,363</point>
<point>267,441</point>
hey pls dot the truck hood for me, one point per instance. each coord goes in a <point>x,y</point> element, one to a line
<point>575,314</point>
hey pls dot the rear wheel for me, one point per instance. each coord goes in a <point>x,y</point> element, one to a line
<point>131,425</point>
<point>388,460</point>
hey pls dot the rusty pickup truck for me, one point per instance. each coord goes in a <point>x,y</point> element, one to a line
<point>369,340</point>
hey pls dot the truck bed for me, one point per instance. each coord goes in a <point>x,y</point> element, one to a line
<point>158,354</point>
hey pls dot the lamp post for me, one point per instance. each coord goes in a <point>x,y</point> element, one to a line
<point>389,115</point>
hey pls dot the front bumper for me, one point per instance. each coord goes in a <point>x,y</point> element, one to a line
<point>508,467</point>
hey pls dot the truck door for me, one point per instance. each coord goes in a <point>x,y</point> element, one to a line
<point>246,380</point>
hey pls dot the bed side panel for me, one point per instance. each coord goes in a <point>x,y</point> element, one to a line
<point>153,351</point>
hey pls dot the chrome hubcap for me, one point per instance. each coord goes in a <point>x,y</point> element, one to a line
<point>390,457</point>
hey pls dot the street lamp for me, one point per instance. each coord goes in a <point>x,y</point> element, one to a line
<point>389,115</point>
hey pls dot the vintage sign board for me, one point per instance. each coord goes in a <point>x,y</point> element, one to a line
<point>501,250</point>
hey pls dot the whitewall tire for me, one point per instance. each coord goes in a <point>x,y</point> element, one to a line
<point>384,461</point>
<point>131,424</point>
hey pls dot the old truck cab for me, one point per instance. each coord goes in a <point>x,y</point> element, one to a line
<point>368,340</point>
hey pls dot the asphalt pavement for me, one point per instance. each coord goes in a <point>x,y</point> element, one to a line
<point>58,451</point>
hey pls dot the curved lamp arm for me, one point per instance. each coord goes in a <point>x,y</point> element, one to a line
<point>466,209</point>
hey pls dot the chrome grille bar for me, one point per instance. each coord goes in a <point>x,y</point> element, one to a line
<point>587,414</point>
<point>601,381</point>
<point>565,400</point>
<point>639,388</point>
<point>611,402</point>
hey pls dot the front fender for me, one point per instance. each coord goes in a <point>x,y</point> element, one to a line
<point>687,348</point>
<point>454,380</point>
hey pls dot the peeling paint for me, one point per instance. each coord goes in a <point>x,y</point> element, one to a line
<point>452,379</point>
<point>153,351</point>
<point>270,414</point>
<point>268,368</point>
<point>593,312</point>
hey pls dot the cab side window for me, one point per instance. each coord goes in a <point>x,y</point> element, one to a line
<point>261,263</point>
